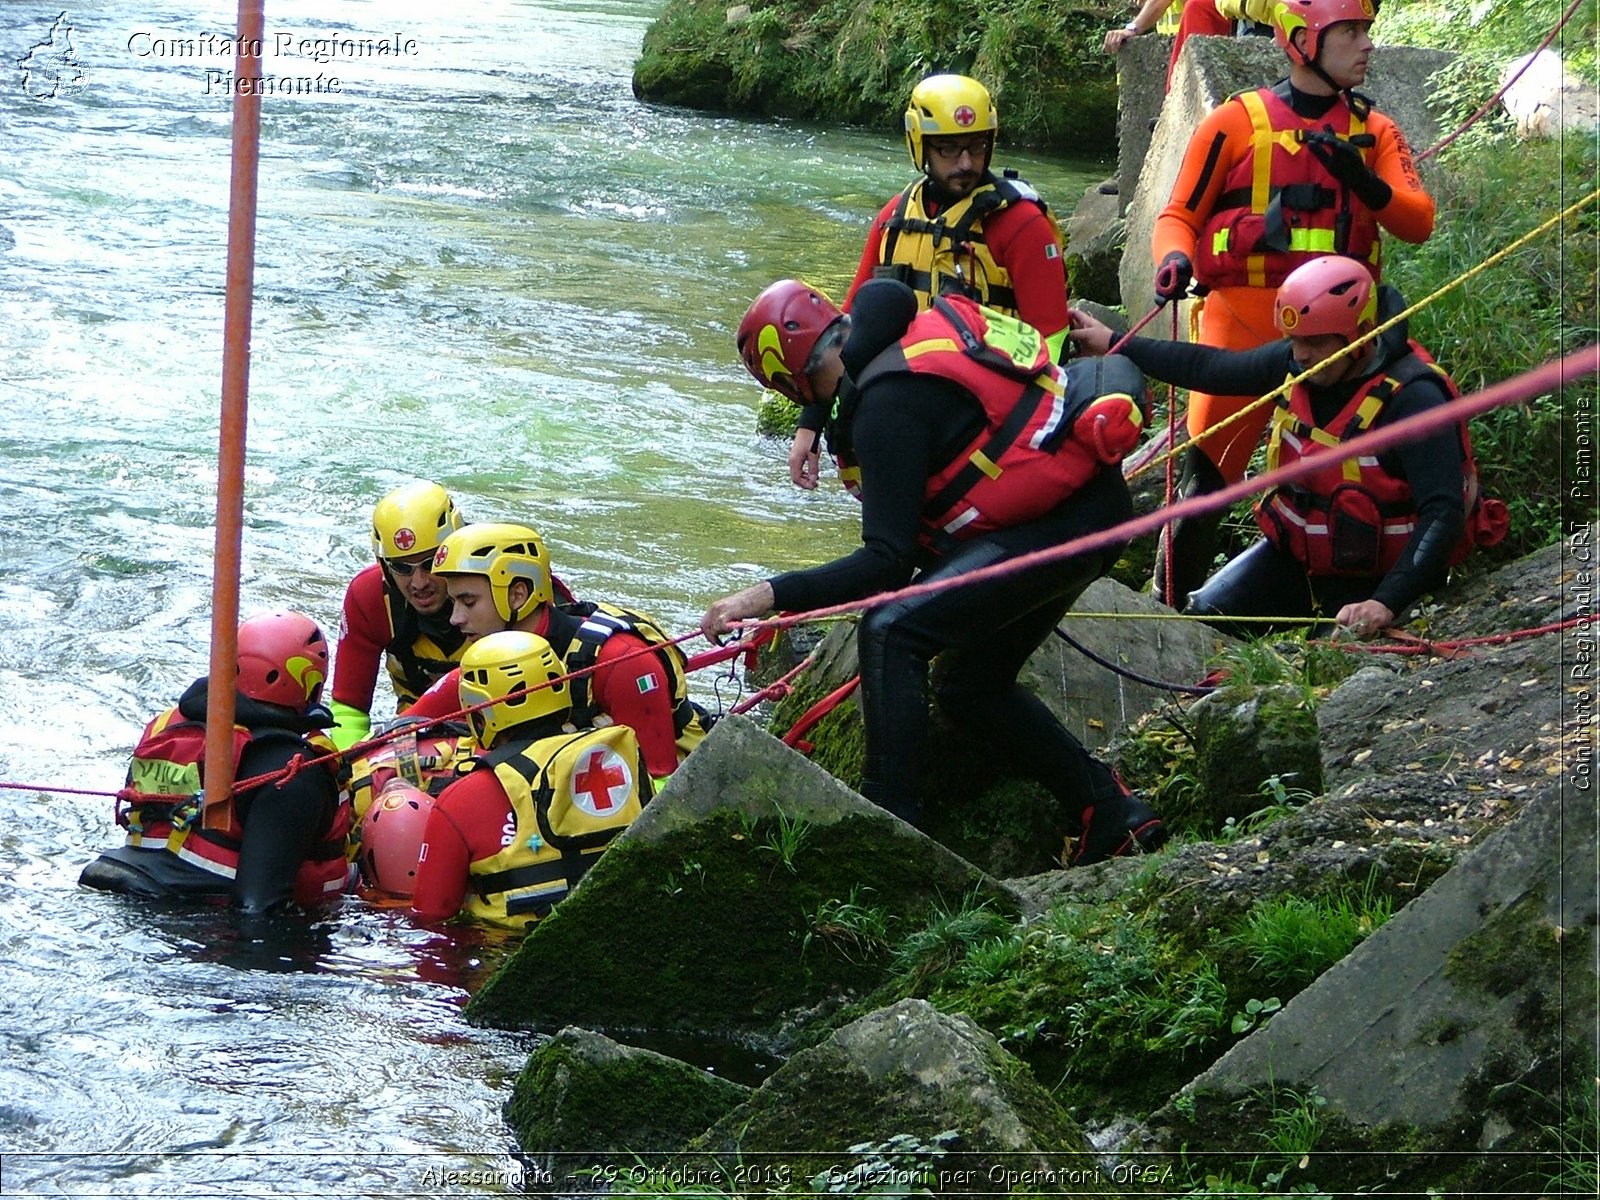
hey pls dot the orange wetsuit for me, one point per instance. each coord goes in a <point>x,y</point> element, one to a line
<point>1239,316</point>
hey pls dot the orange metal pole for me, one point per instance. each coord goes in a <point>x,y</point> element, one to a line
<point>235,408</point>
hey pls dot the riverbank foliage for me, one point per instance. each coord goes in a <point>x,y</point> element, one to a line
<point>856,63</point>
<point>1539,304</point>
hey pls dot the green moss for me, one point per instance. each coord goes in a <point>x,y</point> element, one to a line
<point>856,63</point>
<point>1519,943</point>
<point>800,1136</point>
<point>1156,757</point>
<point>1244,737</point>
<point>565,1100</point>
<point>1105,1009</point>
<point>1521,949</point>
<point>616,956</point>
<point>1009,829</point>
<point>778,417</point>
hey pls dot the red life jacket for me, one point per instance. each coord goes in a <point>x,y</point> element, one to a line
<point>1279,206</point>
<point>1354,517</point>
<point>169,761</point>
<point>1023,464</point>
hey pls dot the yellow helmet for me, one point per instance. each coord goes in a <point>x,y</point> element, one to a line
<point>412,518</point>
<point>946,104</point>
<point>515,670</point>
<point>500,553</point>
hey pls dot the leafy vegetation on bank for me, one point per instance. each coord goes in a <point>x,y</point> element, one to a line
<point>856,63</point>
<point>1492,188</point>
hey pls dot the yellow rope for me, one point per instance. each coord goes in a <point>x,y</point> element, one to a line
<point>1176,616</point>
<point>1284,388</point>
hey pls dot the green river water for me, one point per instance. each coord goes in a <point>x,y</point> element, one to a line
<point>480,261</point>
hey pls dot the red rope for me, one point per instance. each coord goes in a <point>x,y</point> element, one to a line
<point>1143,321</point>
<point>1546,378</point>
<point>1411,644</point>
<point>774,690</point>
<point>808,719</point>
<point>1171,473</point>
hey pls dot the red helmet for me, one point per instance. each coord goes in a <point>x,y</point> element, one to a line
<point>390,841</point>
<point>1314,16</point>
<point>283,659</point>
<point>1330,294</point>
<point>778,333</point>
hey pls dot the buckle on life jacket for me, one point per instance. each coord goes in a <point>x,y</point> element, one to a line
<point>186,812</point>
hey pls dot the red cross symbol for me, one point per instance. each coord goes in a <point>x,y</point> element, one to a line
<point>601,783</point>
<point>965,116</point>
<point>404,539</point>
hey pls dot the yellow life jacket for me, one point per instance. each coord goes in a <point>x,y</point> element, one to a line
<point>1167,23</point>
<point>934,256</point>
<point>570,795</point>
<point>415,657</point>
<point>431,762</point>
<point>1254,12</point>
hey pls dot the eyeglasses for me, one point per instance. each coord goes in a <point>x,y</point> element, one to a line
<point>950,151</point>
<point>404,568</point>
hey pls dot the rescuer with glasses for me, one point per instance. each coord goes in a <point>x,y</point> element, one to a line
<point>958,228</point>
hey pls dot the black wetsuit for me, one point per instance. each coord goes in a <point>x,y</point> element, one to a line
<point>282,822</point>
<point>904,429</point>
<point>1265,581</point>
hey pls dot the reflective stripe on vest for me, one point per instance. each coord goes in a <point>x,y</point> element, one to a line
<point>1279,207</point>
<point>1299,519</point>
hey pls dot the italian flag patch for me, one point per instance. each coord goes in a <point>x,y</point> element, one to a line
<point>647,684</point>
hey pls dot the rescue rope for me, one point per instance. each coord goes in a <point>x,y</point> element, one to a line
<point>1506,86</point>
<point>1143,321</point>
<point>1518,388</point>
<point>1188,689</point>
<point>1411,644</point>
<point>809,719</point>
<point>777,689</point>
<point>1170,460</point>
<point>1283,389</point>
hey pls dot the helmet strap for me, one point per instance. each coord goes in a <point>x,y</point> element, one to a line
<point>1316,68</point>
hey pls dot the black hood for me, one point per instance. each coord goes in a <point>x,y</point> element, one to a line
<point>879,315</point>
<point>253,714</point>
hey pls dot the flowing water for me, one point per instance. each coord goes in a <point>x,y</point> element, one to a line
<point>480,261</point>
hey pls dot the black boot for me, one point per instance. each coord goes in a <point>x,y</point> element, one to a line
<point>1190,542</point>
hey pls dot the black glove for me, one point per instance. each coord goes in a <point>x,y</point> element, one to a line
<point>1173,277</point>
<point>1345,164</point>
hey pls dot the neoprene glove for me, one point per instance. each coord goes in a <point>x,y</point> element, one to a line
<point>1173,277</point>
<point>1344,163</point>
<point>1110,427</point>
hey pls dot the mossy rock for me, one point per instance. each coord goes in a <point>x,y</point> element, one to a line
<point>1005,826</point>
<point>966,1113</point>
<point>843,62</point>
<point>584,1101</point>
<point>778,416</point>
<point>707,913</point>
<point>1246,736</point>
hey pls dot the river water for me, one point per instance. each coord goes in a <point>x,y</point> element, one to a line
<point>480,261</point>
